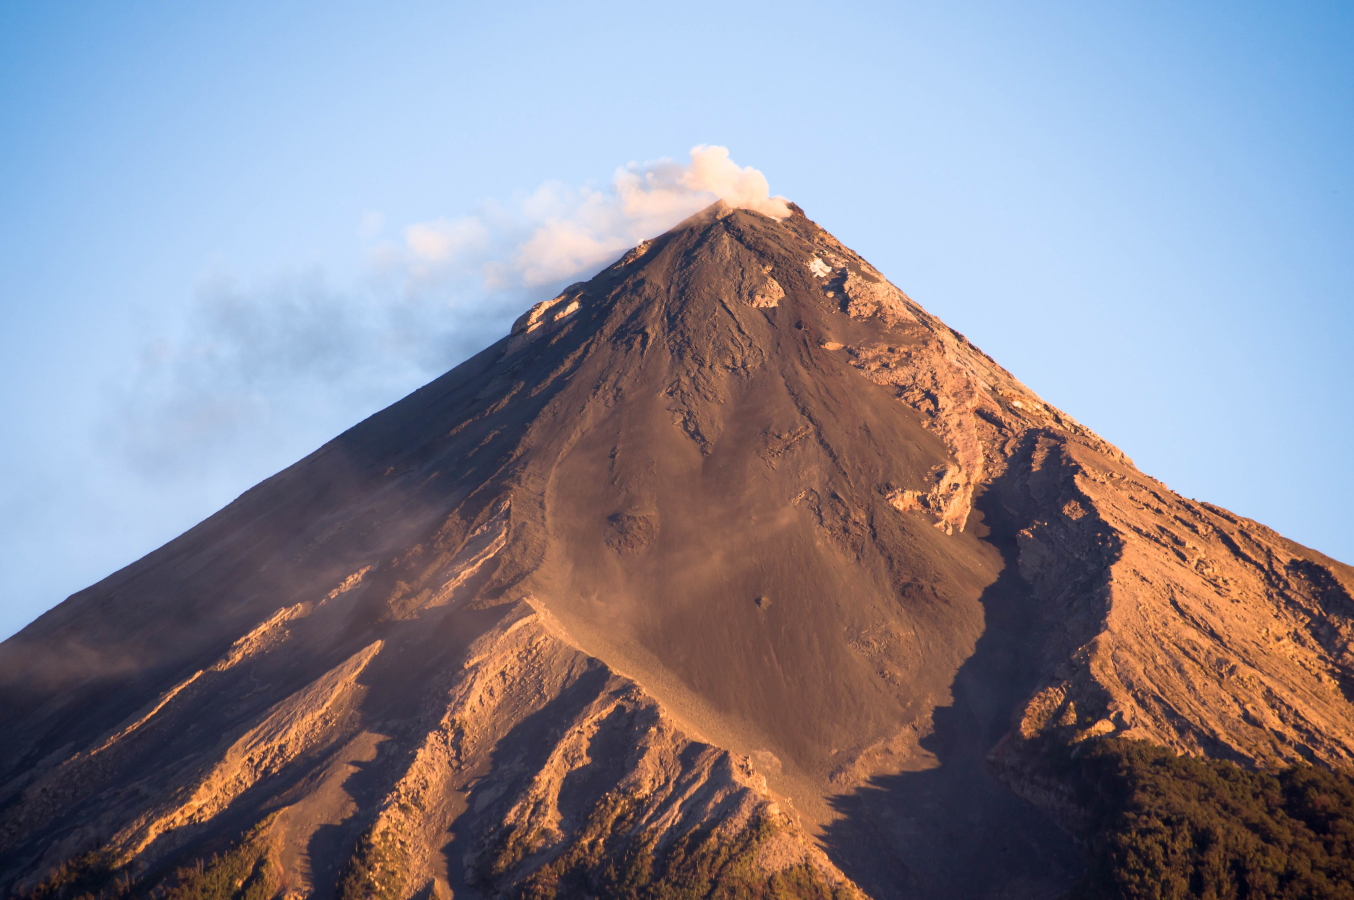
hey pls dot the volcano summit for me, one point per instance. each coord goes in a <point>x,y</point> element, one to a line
<point>731,572</point>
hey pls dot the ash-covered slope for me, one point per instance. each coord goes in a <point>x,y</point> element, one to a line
<point>732,565</point>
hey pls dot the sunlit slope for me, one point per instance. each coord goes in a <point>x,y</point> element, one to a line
<point>732,558</point>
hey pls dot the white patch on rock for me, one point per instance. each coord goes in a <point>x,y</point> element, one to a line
<point>819,268</point>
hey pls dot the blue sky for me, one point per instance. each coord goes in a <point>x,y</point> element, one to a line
<point>1145,211</point>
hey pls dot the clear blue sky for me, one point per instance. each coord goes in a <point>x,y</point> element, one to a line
<point>1145,211</point>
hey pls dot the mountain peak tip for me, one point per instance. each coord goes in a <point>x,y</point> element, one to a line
<point>776,208</point>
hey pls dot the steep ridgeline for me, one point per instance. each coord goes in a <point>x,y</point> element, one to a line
<point>730,572</point>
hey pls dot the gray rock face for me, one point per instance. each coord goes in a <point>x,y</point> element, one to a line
<point>732,563</point>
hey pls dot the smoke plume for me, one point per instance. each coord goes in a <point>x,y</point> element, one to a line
<point>258,372</point>
<point>556,232</point>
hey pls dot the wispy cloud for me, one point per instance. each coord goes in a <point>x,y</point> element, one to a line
<point>258,371</point>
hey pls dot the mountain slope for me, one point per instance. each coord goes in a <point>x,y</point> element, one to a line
<point>732,559</point>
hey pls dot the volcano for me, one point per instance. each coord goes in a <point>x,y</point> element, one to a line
<point>731,572</point>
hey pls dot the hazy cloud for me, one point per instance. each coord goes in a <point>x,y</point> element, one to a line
<point>258,372</point>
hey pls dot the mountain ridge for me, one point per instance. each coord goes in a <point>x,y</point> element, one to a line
<point>736,514</point>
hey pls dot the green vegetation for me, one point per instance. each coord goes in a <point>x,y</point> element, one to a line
<point>245,872</point>
<point>1162,827</point>
<point>1168,827</point>
<point>238,875</point>
<point>92,876</point>
<point>376,870</point>
<point>608,859</point>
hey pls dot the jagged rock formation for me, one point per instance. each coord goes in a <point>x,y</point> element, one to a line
<point>731,565</point>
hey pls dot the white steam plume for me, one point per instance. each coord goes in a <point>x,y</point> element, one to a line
<point>561,232</point>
